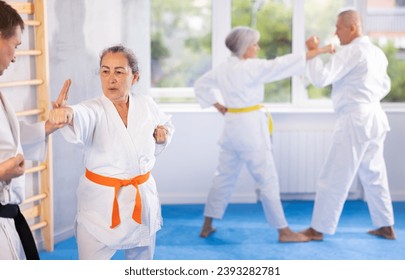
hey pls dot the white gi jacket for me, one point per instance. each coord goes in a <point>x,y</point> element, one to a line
<point>359,78</point>
<point>241,84</point>
<point>16,138</point>
<point>113,150</point>
<point>13,134</point>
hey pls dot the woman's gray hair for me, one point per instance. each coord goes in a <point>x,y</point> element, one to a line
<point>240,38</point>
<point>129,54</point>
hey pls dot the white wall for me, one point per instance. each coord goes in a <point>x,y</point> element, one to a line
<point>184,171</point>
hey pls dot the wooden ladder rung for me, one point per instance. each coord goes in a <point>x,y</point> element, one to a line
<point>32,212</point>
<point>30,112</point>
<point>28,52</point>
<point>23,8</point>
<point>35,169</point>
<point>32,22</point>
<point>34,198</point>
<point>39,225</point>
<point>22,83</point>
<point>38,208</point>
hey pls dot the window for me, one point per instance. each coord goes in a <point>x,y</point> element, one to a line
<point>180,45</point>
<point>385,24</point>
<point>320,20</point>
<point>273,19</point>
<point>187,39</point>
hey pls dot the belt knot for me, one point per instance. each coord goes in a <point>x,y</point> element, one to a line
<point>117,184</point>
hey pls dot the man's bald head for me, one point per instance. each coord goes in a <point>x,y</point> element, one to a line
<point>348,26</point>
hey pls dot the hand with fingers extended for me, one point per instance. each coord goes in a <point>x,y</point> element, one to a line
<point>160,134</point>
<point>61,114</point>
<point>12,168</point>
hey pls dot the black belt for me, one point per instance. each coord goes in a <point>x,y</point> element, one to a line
<point>12,211</point>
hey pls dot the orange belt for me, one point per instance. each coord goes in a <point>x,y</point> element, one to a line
<point>117,184</point>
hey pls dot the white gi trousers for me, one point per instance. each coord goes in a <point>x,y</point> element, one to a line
<point>260,165</point>
<point>92,249</point>
<point>10,244</point>
<point>346,158</point>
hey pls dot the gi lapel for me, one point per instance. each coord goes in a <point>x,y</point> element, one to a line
<point>116,126</point>
<point>13,121</point>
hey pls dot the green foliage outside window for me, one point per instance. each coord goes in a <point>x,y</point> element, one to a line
<point>180,42</point>
<point>274,22</point>
<point>396,70</point>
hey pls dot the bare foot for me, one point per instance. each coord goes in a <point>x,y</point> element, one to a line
<point>312,234</point>
<point>207,228</point>
<point>205,232</point>
<point>385,232</point>
<point>287,235</point>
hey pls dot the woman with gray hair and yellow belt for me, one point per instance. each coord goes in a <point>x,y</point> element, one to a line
<point>245,138</point>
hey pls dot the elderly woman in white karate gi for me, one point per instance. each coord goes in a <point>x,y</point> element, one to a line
<point>121,132</point>
<point>245,138</point>
<point>358,74</point>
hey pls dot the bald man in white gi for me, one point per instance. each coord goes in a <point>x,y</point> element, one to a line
<point>358,75</point>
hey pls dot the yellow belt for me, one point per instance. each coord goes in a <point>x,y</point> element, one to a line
<point>254,108</point>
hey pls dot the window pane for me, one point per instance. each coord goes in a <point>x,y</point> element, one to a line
<point>180,43</point>
<point>386,27</point>
<point>320,20</point>
<point>273,20</point>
